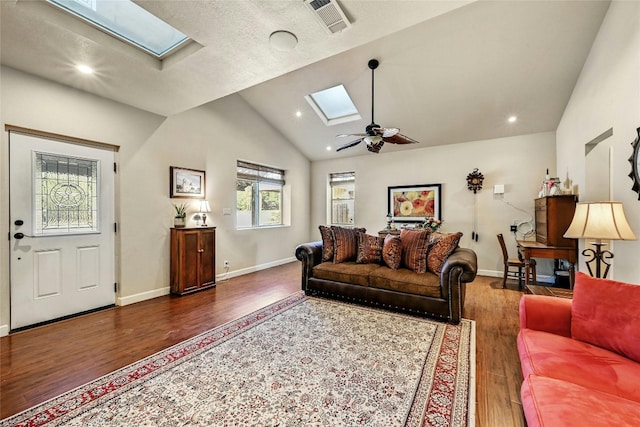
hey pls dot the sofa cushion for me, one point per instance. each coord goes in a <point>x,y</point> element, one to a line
<point>345,243</point>
<point>348,272</point>
<point>415,244</point>
<point>369,249</point>
<point>405,280</point>
<point>606,313</point>
<point>563,358</point>
<point>549,402</point>
<point>327,243</point>
<point>392,251</point>
<point>441,245</point>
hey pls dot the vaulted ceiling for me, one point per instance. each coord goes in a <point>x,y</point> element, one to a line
<point>450,71</point>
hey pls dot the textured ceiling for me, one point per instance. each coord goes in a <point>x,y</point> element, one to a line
<point>450,71</point>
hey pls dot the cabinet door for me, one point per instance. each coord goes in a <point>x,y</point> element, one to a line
<point>207,257</point>
<point>189,260</point>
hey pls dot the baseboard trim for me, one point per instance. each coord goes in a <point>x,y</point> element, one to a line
<point>243,271</point>
<point>143,296</point>
<point>494,273</point>
<point>4,330</point>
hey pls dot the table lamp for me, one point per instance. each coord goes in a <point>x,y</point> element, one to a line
<point>599,221</point>
<point>204,208</point>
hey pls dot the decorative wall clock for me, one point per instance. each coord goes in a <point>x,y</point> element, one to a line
<point>635,164</point>
<point>474,181</point>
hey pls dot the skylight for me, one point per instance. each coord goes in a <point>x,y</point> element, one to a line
<point>127,21</point>
<point>333,105</point>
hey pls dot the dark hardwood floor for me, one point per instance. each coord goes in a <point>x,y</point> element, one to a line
<point>41,363</point>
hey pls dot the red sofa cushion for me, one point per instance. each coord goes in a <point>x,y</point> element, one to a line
<point>550,355</point>
<point>606,313</point>
<point>548,402</point>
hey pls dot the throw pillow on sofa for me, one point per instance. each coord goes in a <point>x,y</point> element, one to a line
<point>345,243</point>
<point>605,313</point>
<point>369,249</point>
<point>327,243</point>
<point>415,244</point>
<point>441,245</point>
<point>392,251</point>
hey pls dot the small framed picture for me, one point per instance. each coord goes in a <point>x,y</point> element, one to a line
<point>414,203</point>
<point>186,183</point>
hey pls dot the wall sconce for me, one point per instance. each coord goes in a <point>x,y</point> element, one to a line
<point>204,208</point>
<point>599,221</point>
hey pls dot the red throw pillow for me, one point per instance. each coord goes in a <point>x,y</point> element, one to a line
<point>327,243</point>
<point>605,313</point>
<point>415,244</point>
<point>369,249</point>
<point>345,243</point>
<point>440,247</point>
<point>392,251</point>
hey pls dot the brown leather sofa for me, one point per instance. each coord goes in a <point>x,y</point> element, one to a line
<point>377,285</point>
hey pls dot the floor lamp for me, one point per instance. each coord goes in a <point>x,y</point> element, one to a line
<point>599,221</point>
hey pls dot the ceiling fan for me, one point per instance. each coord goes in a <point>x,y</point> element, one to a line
<point>375,136</point>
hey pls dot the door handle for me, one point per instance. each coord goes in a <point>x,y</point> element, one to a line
<point>19,236</point>
<point>19,222</point>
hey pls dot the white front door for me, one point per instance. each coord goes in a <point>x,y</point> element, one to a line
<point>62,228</point>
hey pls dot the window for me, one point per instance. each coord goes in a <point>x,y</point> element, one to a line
<point>333,105</point>
<point>65,194</point>
<point>258,195</point>
<point>127,21</point>
<point>343,192</point>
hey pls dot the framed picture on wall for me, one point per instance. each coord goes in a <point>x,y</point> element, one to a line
<point>413,203</point>
<point>186,183</point>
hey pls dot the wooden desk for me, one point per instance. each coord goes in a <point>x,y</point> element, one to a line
<point>538,250</point>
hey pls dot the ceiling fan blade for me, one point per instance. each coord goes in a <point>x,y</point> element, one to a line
<point>399,138</point>
<point>349,144</point>
<point>350,134</point>
<point>386,132</point>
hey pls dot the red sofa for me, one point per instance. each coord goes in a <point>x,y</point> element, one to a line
<point>580,358</point>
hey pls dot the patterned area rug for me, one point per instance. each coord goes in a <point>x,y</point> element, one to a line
<point>303,361</point>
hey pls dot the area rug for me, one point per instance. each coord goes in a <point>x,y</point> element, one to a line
<point>303,361</point>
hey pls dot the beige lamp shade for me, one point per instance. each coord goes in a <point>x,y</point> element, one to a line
<point>600,221</point>
<point>204,206</point>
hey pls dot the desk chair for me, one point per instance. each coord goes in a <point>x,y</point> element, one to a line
<point>518,263</point>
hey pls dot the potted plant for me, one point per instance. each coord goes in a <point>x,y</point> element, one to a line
<point>181,213</point>
<point>431,223</point>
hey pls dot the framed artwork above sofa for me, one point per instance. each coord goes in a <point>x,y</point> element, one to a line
<point>414,203</point>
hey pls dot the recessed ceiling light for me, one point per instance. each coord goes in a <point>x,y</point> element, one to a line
<point>328,148</point>
<point>84,69</point>
<point>298,113</point>
<point>283,41</point>
<point>512,119</point>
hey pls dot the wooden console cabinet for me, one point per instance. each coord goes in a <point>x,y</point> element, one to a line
<point>193,259</point>
<point>553,216</point>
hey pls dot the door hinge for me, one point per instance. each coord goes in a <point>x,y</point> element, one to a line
<point>115,227</point>
<point>115,287</point>
<point>115,167</point>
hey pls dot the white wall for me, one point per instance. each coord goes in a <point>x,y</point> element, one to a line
<point>607,95</point>
<point>211,138</point>
<point>517,162</point>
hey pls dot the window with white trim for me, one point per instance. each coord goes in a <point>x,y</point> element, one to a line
<point>258,195</point>
<point>343,192</point>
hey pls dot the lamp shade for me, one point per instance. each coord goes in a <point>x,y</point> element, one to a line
<point>204,206</point>
<point>600,221</point>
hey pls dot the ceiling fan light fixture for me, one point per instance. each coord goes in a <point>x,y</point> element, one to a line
<point>372,140</point>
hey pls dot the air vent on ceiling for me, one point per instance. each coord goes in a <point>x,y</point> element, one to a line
<point>330,15</point>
